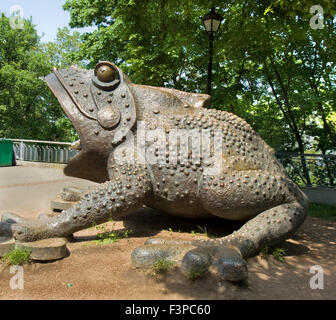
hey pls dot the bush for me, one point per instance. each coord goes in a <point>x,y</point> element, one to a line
<point>17,256</point>
<point>161,266</point>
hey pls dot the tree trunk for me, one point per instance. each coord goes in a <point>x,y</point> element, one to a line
<point>287,112</point>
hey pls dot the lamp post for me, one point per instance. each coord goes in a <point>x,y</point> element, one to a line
<point>211,22</point>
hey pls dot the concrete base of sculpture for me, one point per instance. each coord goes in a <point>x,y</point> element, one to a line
<point>42,250</point>
<point>58,204</point>
<point>67,198</point>
<point>45,250</point>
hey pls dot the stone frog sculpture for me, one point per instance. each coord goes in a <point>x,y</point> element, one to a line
<point>241,179</point>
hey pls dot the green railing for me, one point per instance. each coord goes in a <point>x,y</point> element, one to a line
<point>314,170</point>
<point>43,151</point>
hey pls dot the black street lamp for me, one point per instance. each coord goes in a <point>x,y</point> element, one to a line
<point>211,22</point>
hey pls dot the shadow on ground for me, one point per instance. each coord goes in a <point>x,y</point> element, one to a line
<point>105,272</point>
<point>149,223</point>
<point>313,244</point>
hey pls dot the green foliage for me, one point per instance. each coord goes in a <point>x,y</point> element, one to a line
<point>195,274</point>
<point>65,50</point>
<point>264,252</point>
<point>162,266</point>
<point>322,211</point>
<point>28,109</point>
<point>269,66</point>
<point>17,256</point>
<point>277,253</point>
<point>106,235</point>
<point>203,231</point>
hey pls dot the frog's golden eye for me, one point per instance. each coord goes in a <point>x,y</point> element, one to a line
<point>105,73</point>
<point>106,76</point>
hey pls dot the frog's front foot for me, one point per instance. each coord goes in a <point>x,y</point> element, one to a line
<point>195,259</point>
<point>22,229</point>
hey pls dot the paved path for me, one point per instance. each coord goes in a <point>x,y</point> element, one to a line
<point>27,190</point>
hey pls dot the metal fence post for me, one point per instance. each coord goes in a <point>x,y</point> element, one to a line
<point>21,156</point>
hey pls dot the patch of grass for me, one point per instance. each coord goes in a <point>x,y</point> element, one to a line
<point>170,230</point>
<point>277,253</point>
<point>322,211</point>
<point>203,231</point>
<point>108,236</point>
<point>264,252</point>
<point>17,256</point>
<point>162,266</point>
<point>194,274</point>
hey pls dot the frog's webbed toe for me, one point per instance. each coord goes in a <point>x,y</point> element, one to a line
<point>30,231</point>
<point>186,254</point>
<point>195,258</point>
<point>196,262</point>
<point>148,254</point>
<point>165,241</point>
<point>20,228</point>
<point>229,264</point>
<point>223,260</point>
<point>5,230</point>
<point>9,217</point>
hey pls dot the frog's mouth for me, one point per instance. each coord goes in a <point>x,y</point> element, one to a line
<point>76,145</point>
<point>91,162</point>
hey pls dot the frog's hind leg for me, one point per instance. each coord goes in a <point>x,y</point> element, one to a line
<point>268,228</point>
<point>274,214</point>
<point>273,205</point>
<point>241,195</point>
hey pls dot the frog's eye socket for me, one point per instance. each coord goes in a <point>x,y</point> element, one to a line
<point>106,76</point>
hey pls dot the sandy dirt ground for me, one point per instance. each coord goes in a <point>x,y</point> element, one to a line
<point>93,271</point>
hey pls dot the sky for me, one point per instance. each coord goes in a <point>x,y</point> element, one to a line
<point>47,15</point>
